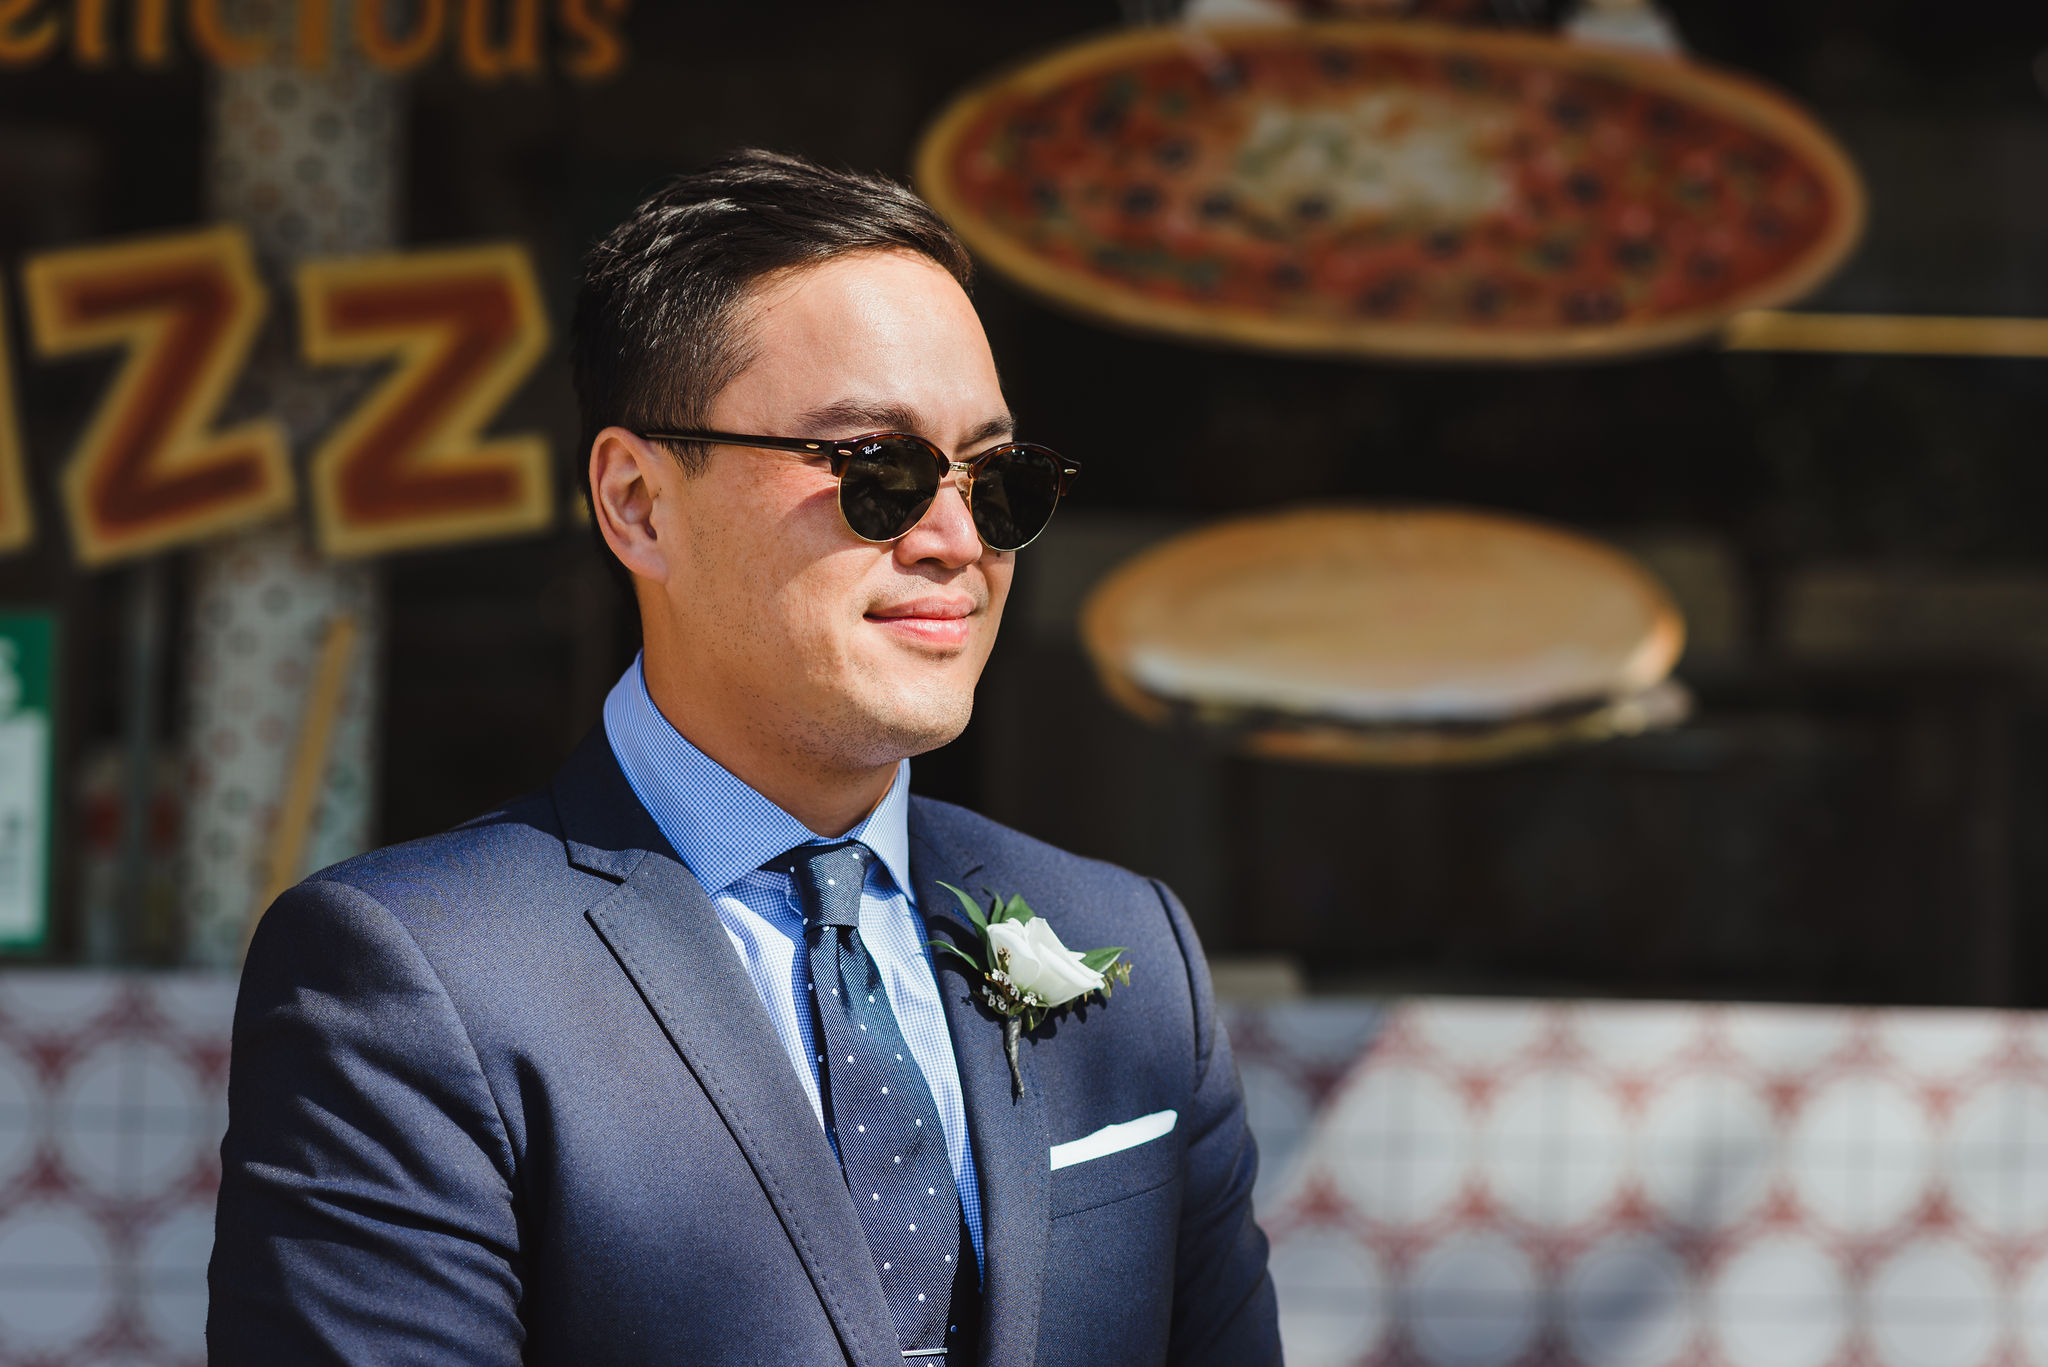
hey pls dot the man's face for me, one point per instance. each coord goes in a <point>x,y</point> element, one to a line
<point>845,652</point>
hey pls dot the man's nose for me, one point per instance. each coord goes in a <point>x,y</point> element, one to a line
<point>946,531</point>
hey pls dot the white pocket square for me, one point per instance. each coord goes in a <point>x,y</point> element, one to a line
<point>1113,1139</point>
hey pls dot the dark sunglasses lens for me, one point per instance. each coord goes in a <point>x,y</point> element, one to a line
<point>886,486</point>
<point>1014,495</point>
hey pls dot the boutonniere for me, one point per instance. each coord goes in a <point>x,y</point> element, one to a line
<point>1026,973</point>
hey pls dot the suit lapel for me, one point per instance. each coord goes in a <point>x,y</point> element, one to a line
<point>662,929</point>
<point>1008,1134</point>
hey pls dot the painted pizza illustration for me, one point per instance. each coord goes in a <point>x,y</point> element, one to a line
<point>1394,189</point>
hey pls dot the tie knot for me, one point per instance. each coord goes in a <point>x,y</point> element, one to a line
<point>828,881</point>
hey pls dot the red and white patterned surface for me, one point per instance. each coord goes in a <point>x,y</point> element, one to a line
<point>113,1097</point>
<point>1468,1183</point>
<point>1290,1057</point>
<point>1503,1183</point>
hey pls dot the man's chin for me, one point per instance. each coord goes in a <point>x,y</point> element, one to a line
<point>897,731</point>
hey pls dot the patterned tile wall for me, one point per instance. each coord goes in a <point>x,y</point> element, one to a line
<point>1465,1183</point>
<point>1290,1057</point>
<point>1501,1184</point>
<point>113,1097</point>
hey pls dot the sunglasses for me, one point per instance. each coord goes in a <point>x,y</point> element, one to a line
<point>888,481</point>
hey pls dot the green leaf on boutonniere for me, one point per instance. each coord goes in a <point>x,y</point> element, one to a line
<point>958,953</point>
<point>1099,959</point>
<point>967,905</point>
<point>1045,978</point>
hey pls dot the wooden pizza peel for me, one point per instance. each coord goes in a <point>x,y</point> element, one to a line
<point>1388,637</point>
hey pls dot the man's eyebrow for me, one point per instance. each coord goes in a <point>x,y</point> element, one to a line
<point>991,427</point>
<point>851,417</point>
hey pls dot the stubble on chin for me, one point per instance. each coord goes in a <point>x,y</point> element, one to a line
<point>885,718</point>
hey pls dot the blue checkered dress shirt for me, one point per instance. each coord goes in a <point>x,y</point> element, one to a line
<point>724,831</point>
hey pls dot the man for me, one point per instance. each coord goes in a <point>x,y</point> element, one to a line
<point>655,1066</point>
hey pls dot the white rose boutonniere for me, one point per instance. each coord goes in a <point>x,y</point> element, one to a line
<point>1026,973</point>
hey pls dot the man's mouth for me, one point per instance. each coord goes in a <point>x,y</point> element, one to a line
<point>936,621</point>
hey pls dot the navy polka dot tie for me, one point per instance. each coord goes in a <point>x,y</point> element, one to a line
<point>879,1107</point>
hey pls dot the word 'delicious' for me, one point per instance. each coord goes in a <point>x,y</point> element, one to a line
<point>491,39</point>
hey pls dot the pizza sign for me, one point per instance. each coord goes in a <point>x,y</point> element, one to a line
<point>1394,189</point>
<point>454,332</point>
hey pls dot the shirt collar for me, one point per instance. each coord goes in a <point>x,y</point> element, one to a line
<point>721,828</point>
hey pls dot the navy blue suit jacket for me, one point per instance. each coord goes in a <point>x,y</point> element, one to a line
<point>507,1095</point>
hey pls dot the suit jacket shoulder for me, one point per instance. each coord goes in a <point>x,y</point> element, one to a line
<point>504,859</point>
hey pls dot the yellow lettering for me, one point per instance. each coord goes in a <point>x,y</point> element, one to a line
<point>152,32</point>
<point>17,518</point>
<point>151,471</point>
<point>595,23</point>
<point>390,53</point>
<point>21,46</point>
<point>226,48</point>
<point>89,32</point>
<point>410,467</point>
<point>315,34</point>
<point>520,53</point>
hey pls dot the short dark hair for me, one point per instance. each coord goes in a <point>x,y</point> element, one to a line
<point>657,330</point>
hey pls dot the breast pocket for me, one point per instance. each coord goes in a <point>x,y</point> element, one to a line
<point>1115,1162</point>
<point>1109,1264</point>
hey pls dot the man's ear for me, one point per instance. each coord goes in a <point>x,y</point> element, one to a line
<point>628,477</point>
